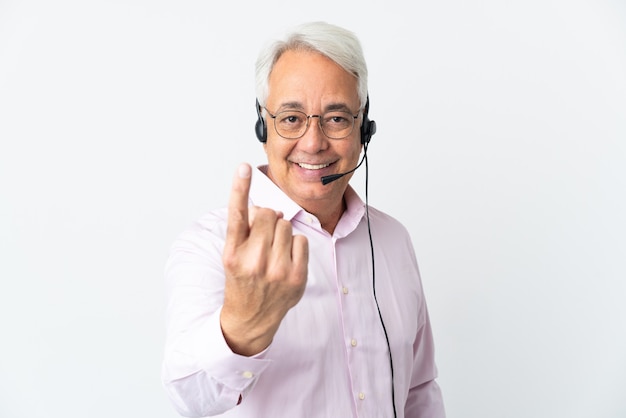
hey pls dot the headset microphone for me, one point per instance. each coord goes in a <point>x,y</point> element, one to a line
<point>332,177</point>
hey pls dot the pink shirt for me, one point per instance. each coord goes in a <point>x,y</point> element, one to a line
<point>329,357</point>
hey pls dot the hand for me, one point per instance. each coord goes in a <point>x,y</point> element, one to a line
<point>265,267</point>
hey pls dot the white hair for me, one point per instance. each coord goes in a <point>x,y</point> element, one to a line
<point>334,42</point>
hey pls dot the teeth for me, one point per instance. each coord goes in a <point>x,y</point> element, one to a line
<point>313,166</point>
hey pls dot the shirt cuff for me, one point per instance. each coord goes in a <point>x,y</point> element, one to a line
<point>232,370</point>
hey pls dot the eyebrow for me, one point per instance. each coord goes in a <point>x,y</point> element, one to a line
<point>329,108</point>
<point>290,106</point>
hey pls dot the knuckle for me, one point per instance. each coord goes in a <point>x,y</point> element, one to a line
<point>265,213</point>
<point>284,226</point>
<point>230,261</point>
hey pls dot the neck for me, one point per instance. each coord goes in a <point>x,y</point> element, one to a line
<point>329,218</point>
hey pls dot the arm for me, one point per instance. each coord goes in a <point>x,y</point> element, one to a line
<point>425,399</point>
<point>211,364</point>
<point>201,374</point>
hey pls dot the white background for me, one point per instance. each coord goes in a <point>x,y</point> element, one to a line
<point>501,146</point>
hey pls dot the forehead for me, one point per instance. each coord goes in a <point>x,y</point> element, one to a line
<point>308,79</point>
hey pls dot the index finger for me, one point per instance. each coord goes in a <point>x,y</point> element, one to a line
<point>238,226</point>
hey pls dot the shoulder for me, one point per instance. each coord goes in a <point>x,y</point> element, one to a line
<point>391,236</point>
<point>382,220</point>
<point>206,232</point>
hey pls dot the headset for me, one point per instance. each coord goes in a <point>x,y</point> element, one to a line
<point>368,127</point>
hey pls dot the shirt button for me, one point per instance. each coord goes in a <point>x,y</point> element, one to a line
<point>361,395</point>
<point>248,375</point>
<point>345,290</point>
<point>353,342</point>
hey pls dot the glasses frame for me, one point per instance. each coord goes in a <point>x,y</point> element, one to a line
<point>308,120</point>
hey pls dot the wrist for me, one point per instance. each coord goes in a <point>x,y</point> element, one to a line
<point>244,339</point>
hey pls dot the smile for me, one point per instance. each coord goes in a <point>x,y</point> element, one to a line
<point>313,166</point>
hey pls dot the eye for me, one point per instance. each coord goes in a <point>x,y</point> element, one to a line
<point>290,122</point>
<point>338,120</point>
<point>290,118</point>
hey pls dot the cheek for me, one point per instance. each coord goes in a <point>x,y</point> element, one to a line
<point>275,151</point>
<point>355,151</point>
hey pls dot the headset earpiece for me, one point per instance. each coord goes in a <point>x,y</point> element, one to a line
<point>260,128</point>
<point>368,127</point>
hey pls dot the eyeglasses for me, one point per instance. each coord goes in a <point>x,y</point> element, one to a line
<point>293,124</point>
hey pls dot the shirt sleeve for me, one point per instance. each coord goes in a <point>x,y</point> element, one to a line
<point>425,399</point>
<point>425,402</point>
<point>200,373</point>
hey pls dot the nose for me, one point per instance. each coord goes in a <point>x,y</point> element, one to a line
<point>314,140</point>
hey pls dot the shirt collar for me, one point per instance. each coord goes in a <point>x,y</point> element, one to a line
<point>355,210</point>
<point>265,193</point>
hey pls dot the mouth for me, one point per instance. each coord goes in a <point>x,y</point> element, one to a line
<point>313,166</point>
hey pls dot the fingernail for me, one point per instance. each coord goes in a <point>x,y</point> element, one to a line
<point>244,171</point>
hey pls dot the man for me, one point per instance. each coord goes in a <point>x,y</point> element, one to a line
<point>298,300</point>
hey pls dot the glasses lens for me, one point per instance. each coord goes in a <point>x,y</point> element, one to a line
<point>290,124</point>
<point>337,125</point>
